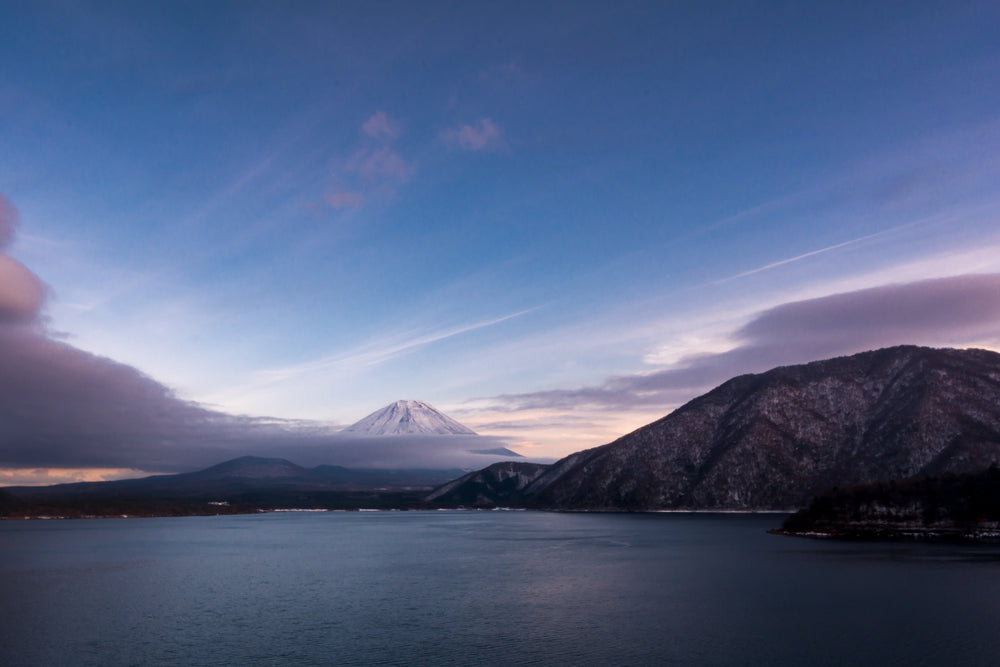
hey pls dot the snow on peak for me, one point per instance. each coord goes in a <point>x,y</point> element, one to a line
<point>408,418</point>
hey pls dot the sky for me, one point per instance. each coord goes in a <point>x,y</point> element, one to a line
<point>237,227</point>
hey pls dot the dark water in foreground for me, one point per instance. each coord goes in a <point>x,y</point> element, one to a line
<point>485,588</point>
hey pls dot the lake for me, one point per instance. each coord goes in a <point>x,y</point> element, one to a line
<point>494,588</point>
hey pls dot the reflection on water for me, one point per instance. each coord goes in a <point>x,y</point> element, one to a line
<point>487,588</point>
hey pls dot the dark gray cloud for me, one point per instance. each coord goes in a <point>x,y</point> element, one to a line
<point>950,309</point>
<point>939,312</point>
<point>66,408</point>
<point>62,407</point>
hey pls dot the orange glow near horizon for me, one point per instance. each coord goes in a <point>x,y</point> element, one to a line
<point>49,476</point>
<point>543,433</point>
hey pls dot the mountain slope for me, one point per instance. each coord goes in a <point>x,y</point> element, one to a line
<point>776,439</point>
<point>499,484</point>
<point>408,418</point>
<point>773,440</point>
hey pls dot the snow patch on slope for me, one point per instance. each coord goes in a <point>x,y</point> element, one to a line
<point>408,418</point>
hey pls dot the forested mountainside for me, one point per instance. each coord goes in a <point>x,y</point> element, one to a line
<point>774,440</point>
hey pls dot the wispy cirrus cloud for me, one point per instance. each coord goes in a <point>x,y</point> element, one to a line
<point>380,351</point>
<point>483,135</point>
<point>813,253</point>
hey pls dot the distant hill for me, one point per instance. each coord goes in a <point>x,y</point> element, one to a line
<point>496,485</point>
<point>408,418</point>
<point>248,483</point>
<point>243,474</point>
<point>216,482</point>
<point>774,440</point>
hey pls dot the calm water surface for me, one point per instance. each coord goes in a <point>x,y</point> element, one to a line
<point>501,588</point>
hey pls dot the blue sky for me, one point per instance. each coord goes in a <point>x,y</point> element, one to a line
<point>307,210</point>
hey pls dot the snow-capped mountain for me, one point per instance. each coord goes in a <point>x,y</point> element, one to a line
<point>408,418</point>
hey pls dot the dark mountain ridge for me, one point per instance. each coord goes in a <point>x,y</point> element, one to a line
<point>768,441</point>
<point>244,485</point>
<point>498,484</point>
<point>242,475</point>
<point>771,441</point>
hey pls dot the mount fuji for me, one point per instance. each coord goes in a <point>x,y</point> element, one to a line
<point>408,418</point>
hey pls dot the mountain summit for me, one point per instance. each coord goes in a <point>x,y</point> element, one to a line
<point>408,418</point>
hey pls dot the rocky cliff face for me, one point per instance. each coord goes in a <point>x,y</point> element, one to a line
<point>776,439</point>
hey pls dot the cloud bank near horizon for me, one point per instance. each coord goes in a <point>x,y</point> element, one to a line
<point>953,311</point>
<point>66,408</point>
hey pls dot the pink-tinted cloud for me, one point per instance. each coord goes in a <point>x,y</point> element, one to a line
<point>61,407</point>
<point>374,170</point>
<point>22,294</point>
<point>955,311</point>
<point>344,199</point>
<point>942,311</point>
<point>482,136</point>
<point>65,408</point>
<point>379,166</point>
<point>8,221</point>
<point>380,126</point>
